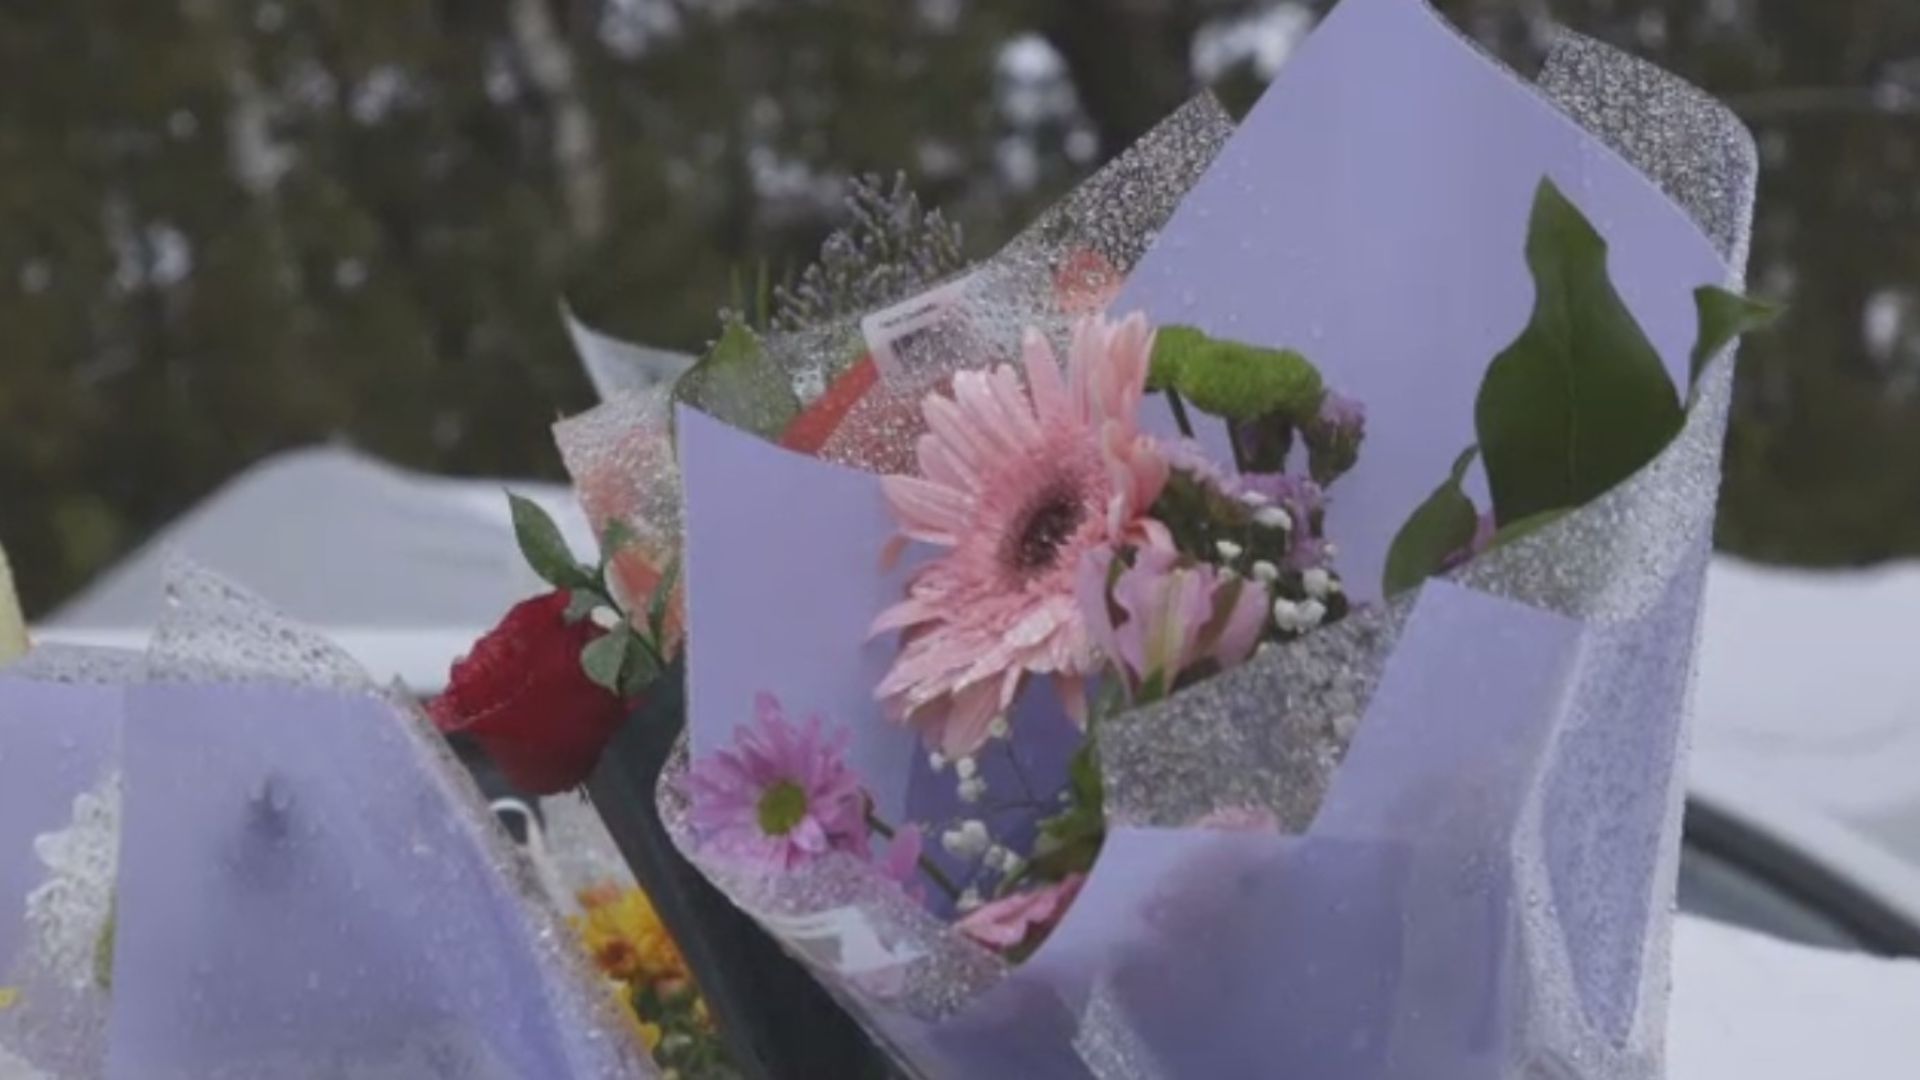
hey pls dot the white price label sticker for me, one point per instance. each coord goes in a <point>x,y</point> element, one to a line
<point>923,335</point>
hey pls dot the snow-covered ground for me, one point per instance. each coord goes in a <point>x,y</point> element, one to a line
<point>1809,686</point>
<point>1748,1007</point>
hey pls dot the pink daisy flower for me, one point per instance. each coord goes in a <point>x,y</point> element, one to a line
<point>1017,483</point>
<point>782,796</point>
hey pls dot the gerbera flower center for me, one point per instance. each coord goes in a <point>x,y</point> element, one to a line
<point>1041,529</point>
<point>782,806</point>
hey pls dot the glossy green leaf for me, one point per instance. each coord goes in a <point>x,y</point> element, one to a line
<point>1581,400</point>
<point>1439,528</point>
<point>1725,316</point>
<point>544,548</point>
<point>1526,527</point>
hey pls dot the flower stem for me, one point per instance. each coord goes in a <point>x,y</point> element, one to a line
<point>1179,412</point>
<point>1240,455</point>
<point>927,867</point>
<point>1020,772</point>
<point>940,878</point>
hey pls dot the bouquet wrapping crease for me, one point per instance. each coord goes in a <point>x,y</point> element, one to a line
<point>1436,838</point>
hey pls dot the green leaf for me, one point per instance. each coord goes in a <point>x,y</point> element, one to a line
<point>1083,777</point>
<point>1236,381</point>
<point>1152,688</point>
<point>1171,347</point>
<point>736,383</point>
<point>1725,316</point>
<point>544,548</point>
<point>604,657</point>
<point>638,669</point>
<point>1438,528</point>
<point>580,604</point>
<point>1581,400</point>
<point>1526,527</point>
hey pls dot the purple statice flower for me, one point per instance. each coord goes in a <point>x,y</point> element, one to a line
<point>783,796</point>
<point>1305,501</point>
<point>1334,436</point>
<point>1189,457</point>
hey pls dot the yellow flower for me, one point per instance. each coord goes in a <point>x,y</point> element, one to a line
<point>626,938</point>
<point>13,628</point>
<point>648,1032</point>
<point>9,997</point>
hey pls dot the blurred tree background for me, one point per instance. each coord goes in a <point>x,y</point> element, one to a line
<point>229,227</point>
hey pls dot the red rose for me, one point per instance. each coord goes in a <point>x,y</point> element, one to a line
<point>523,696</point>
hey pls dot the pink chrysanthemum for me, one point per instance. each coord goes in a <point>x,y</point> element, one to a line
<point>782,796</point>
<point>1018,483</point>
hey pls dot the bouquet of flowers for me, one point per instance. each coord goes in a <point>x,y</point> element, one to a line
<point>1243,627</point>
<point>583,684</point>
<point>1084,702</point>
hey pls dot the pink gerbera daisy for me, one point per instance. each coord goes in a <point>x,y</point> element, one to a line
<point>782,796</point>
<point>1017,483</point>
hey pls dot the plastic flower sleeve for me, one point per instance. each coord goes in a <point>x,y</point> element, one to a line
<point>308,881</point>
<point>616,367</point>
<point>766,1006</point>
<point>840,372</point>
<point>619,454</point>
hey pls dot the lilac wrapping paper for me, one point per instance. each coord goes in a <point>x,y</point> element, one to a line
<point>307,883</point>
<point>1478,867</point>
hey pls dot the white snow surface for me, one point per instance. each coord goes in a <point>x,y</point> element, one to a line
<point>1749,1007</point>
